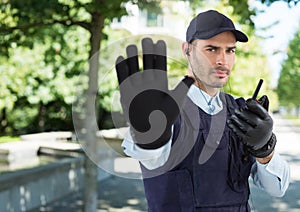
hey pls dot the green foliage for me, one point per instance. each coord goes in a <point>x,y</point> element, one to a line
<point>243,13</point>
<point>27,22</point>
<point>48,75</point>
<point>5,139</point>
<point>289,80</point>
<point>45,46</point>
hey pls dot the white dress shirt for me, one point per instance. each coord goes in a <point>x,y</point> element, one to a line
<point>273,177</point>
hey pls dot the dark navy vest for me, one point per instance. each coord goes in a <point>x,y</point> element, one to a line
<point>207,169</point>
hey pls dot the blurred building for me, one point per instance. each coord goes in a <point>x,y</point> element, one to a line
<point>171,19</point>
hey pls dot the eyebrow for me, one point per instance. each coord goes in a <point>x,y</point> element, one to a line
<point>217,47</point>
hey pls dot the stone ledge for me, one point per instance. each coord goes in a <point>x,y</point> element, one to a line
<point>48,136</point>
<point>27,189</point>
<point>14,152</point>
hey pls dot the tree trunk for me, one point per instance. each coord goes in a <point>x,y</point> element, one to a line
<point>41,117</point>
<point>3,122</point>
<point>91,169</point>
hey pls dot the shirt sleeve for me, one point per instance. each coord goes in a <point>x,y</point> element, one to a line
<point>150,158</point>
<point>273,177</point>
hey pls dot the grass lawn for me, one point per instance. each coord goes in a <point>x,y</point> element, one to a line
<point>4,139</point>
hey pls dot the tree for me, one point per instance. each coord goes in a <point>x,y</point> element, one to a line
<point>34,97</point>
<point>26,22</point>
<point>289,80</point>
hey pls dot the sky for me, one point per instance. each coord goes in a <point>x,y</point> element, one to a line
<point>278,35</point>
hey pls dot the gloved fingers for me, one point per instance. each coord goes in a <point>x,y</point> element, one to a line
<point>121,69</point>
<point>237,131</point>
<point>264,101</point>
<point>240,124</point>
<point>148,53</point>
<point>248,117</point>
<point>256,108</point>
<point>180,91</point>
<point>241,102</point>
<point>132,59</point>
<point>160,62</point>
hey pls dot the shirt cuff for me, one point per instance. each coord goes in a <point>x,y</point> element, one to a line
<point>150,158</point>
<point>278,168</point>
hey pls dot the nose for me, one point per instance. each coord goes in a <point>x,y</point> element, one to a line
<point>221,59</point>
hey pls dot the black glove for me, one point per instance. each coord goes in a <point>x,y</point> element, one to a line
<point>148,105</point>
<point>253,125</point>
<point>264,101</point>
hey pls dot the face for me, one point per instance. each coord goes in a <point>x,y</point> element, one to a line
<point>212,60</point>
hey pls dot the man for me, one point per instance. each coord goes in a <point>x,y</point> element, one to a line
<point>197,146</point>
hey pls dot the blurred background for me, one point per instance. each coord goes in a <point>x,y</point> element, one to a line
<point>58,93</point>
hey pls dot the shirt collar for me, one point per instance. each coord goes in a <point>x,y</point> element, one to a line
<point>210,105</point>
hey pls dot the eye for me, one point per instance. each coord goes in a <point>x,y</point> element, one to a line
<point>231,50</point>
<point>211,49</point>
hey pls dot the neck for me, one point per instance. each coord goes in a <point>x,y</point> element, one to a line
<point>209,90</point>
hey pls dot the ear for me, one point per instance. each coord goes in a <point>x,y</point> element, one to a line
<point>185,49</point>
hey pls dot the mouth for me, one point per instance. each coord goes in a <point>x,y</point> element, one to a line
<point>221,73</point>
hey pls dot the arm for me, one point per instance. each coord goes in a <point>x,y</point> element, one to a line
<point>150,108</point>
<point>253,125</point>
<point>273,177</point>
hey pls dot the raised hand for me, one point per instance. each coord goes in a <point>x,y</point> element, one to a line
<point>148,105</point>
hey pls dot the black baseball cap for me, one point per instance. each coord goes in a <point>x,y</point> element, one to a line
<point>210,23</point>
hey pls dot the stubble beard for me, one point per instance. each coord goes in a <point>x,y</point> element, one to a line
<point>213,81</point>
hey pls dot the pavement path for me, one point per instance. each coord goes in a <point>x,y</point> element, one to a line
<point>288,145</point>
<point>120,194</point>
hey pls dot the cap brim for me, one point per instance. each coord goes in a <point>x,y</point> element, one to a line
<point>240,36</point>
